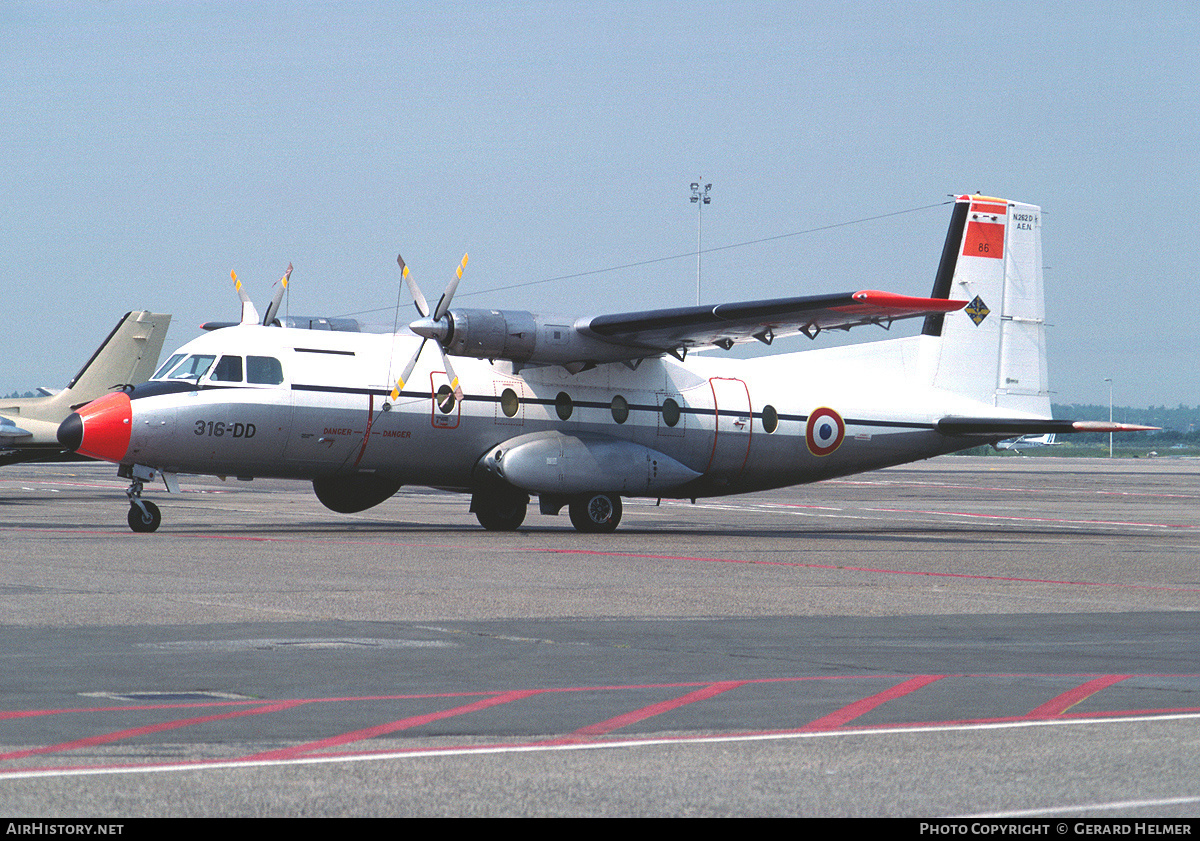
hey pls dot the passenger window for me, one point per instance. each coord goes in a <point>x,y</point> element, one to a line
<point>770,418</point>
<point>228,370</point>
<point>670,412</point>
<point>509,403</point>
<point>563,405</point>
<point>620,409</point>
<point>263,370</point>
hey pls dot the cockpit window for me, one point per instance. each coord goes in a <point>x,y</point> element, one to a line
<point>192,368</point>
<point>228,370</point>
<point>168,365</point>
<point>264,370</point>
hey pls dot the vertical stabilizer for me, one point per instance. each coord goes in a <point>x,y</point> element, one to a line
<point>994,350</point>
<point>127,357</point>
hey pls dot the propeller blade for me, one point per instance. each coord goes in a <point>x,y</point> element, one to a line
<point>414,290</point>
<point>249,313</point>
<point>273,309</point>
<point>444,303</point>
<point>453,377</point>
<point>407,372</point>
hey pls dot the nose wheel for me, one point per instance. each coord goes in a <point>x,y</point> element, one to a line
<point>144,515</point>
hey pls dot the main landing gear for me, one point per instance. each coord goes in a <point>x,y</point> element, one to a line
<point>595,513</point>
<point>503,508</point>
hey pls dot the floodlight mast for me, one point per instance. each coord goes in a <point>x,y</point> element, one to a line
<point>1110,414</point>
<point>699,199</point>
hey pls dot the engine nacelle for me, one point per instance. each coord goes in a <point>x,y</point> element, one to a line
<point>554,463</point>
<point>521,337</point>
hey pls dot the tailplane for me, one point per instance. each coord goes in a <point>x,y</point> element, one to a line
<point>994,350</point>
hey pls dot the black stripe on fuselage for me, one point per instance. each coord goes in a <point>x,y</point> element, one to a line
<point>324,350</point>
<point>597,404</point>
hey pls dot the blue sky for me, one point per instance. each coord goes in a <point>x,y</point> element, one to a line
<point>150,147</point>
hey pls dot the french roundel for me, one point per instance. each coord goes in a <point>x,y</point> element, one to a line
<point>824,432</point>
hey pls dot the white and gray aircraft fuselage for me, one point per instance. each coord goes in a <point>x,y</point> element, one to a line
<point>583,413</point>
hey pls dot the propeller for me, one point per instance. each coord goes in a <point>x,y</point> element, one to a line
<point>435,326</point>
<point>249,311</point>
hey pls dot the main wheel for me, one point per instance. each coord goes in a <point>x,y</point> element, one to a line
<point>147,521</point>
<point>501,511</point>
<point>596,512</point>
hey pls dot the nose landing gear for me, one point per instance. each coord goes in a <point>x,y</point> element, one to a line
<point>144,515</point>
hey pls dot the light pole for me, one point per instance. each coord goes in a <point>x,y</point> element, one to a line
<point>699,199</point>
<point>1110,438</point>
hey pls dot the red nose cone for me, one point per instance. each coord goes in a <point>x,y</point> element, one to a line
<point>106,424</point>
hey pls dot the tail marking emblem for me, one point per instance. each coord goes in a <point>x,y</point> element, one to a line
<point>977,310</point>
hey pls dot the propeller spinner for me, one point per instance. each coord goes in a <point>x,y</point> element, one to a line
<point>435,326</point>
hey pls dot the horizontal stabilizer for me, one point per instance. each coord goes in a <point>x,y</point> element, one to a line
<point>1013,427</point>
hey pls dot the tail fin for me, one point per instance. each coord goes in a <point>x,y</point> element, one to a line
<point>994,351</point>
<point>128,356</point>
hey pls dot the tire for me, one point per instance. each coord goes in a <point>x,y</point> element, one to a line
<point>501,512</point>
<point>596,513</point>
<point>147,522</point>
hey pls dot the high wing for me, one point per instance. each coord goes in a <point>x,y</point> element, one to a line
<point>727,324</point>
<point>528,338</point>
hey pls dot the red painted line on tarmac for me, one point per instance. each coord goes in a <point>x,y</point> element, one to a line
<point>1055,490</point>
<point>618,740</point>
<point>417,696</point>
<point>1032,519</point>
<point>108,738</point>
<point>390,727</point>
<point>862,706</point>
<point>654,557</point>
<point>844,568</point>
<point>633,717</point>
<point>1060,704</point>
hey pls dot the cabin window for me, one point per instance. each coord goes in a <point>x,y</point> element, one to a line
<point>670,412</point>
<point>445,400</point>
<point>263,370</point>
<point>168,365</point>
<point>770,418</point>
<point>564,406</point>
<point>620,409</point>
<point>509,403</point>
<point>228,370</point>
<point>192,368</point>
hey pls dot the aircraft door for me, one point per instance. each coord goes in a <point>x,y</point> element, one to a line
<point>330,415</point>
<point>732,427</point>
